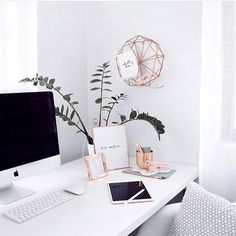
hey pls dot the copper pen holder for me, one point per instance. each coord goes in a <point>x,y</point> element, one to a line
<point>143,159</point>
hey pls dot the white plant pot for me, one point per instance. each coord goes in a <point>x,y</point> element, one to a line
<point>91,149</point>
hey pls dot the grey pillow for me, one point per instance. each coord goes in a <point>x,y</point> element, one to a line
<point>204,214</point>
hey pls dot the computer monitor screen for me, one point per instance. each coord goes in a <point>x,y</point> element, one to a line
<point>28,131</point>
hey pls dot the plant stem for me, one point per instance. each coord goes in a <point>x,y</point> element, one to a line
<point>101,91</point>
<point>109,113</point>
<point>114,103</point>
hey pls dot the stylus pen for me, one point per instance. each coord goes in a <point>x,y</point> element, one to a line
<point>135,195</point>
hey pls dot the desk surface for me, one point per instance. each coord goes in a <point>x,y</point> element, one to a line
<point>92,213</point>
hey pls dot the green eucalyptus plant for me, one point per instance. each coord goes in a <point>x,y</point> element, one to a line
<point>68,112</point>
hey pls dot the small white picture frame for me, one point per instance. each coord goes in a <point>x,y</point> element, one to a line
<point>96,166</point>
<point>112,141</point>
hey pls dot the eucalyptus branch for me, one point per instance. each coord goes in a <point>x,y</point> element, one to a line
<point>66,118</point>
<point>49,84</point>
<point>73,108</point>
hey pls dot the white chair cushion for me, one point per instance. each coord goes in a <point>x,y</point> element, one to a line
<point>159,224</point>
<point>204,214</point>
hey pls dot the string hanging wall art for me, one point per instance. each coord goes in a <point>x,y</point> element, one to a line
<point>140,61</point>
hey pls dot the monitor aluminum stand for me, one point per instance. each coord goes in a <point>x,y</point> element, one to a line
<point>12,193</point>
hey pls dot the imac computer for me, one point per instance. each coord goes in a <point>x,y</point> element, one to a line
<point>28,140</point>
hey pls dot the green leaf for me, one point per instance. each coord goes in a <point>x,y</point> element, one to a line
<point>123,118</point>
<point>113,103</point>
<point>57,111</point>
<point>114,98</point>
<point>133,114</point>
<point>98,100</point>
<point>99,70</point>
<point>24,80</point>
<point>51,81</point>
<point>49,86</point>
<point>105,64</point>
<point>96,74</point>
<point>64,118</point>
<point>108,71</point>
<point>157,124</point>
<point>115,123</point>
<point>96,88</point>
<point>123,96</point>
<point>107,82</point>
<point>107,76</point>
<point>42,83</point>
<point>141,116</point>
<point>106,107</point>
<point>40,78</point>
<point>67,97</point>
<point>70,123</point>
<point>95,80</point>
<point>67,110</point>
<point>75,102</point>
<point>107,90</point>
<point>62,108</point>
<point>57,88</point>
<point>72,114</point>
<point>45,79</point>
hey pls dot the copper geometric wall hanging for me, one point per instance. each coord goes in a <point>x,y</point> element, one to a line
<point>140,61</point>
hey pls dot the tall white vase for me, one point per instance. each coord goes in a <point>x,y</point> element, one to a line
<point>91,149</point>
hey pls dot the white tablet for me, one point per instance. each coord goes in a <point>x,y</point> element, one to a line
<point>128,192</point>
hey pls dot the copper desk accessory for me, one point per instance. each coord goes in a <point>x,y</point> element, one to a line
<point>143,159</point>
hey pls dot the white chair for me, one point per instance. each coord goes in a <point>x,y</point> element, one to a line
<point>159,224</point>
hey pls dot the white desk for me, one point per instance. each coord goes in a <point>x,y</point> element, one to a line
<point>92,213</point>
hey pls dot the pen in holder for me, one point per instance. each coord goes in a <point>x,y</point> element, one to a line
<point>143,159</point>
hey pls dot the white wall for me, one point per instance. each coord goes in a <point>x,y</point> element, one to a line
<point>75,37</point>
<point>177,27</point>
<point>62,55</point>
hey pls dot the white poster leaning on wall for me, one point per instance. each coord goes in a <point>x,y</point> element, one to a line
<point>112,141</point>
